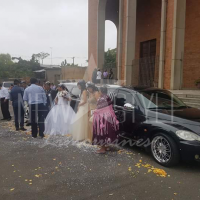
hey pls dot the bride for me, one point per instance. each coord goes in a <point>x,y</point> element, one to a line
<point>59,119</point>
<point>80,129</point>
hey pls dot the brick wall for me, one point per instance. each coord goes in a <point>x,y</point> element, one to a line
<point>74,73</point>
<point>148,26</point>
<point>191,64</point>
<point>148,23</point>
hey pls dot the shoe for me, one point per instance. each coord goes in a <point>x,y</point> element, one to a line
<point>100,152</point>
<point>9,119</point>
<point>23,129</point>
<point>3,119</point>
<point>28,124</point>
<point>17,129</point>
<point>41,137</point>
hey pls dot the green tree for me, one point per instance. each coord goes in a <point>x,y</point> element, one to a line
<point>110,57</point>
<point>72,65</point>
<point>6,64</point>
<point>41,56</point>
<point>20,69</point>
<point>64,63</point>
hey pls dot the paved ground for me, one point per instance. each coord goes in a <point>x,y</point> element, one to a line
<point>54,168</point>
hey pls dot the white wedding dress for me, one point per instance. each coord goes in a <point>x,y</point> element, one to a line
<point>80,127</point>
<point>60,117</point>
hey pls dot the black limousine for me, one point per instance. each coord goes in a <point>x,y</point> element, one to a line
<point>160,121</point>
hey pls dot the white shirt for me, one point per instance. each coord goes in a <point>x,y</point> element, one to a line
<point>4,93</point>
<point>99,74</point>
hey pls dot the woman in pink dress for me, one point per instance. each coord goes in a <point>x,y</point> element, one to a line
<point>105,123</point>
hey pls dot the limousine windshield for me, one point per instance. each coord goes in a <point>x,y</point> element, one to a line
<point>160,99</point>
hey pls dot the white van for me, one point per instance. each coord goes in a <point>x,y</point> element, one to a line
<point>7,84</point>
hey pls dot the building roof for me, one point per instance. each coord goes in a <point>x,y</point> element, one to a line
<point>49,66</point>
<point>39,71</point>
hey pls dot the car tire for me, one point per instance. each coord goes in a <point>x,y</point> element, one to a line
<point>164,150</point>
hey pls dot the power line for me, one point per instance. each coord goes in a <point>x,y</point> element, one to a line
<point>17,55</point>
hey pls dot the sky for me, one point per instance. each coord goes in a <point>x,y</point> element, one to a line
<point>34,26</point>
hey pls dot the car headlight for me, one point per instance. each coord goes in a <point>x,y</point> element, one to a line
<point>187,135</point>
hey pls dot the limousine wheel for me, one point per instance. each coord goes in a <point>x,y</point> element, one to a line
<point>164,150</point>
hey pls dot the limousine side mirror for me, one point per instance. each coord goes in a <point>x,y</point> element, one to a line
<point>129,106</point>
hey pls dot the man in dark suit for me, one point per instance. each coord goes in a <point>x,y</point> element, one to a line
<point>16,96</point>
<point>51,95</point>
<point>94,76</point>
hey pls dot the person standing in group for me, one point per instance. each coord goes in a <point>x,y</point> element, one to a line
<point>16,96</point>
<point>105,76</point>
<point>51,95</point>
<point>4,97</point>
<point>23,85</point>
<point>111,76</point>
<point>52,86</point>
<point>92,101</point>
<point>80,124</point>
<point>39,83</point>
<point>11,87</point>
<point>37,100</point>
<point>105,123</point>
<point>99,75</point>
<point>94,76</point>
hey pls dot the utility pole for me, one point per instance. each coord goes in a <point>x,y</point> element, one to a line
<point>73,60</point>
<point>51,55</point>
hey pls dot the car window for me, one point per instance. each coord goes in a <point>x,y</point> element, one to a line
<point>7,85</point>
<point>159,99</point>
<point>111,90</point>
<point>69,87</point>
<point>124,97</point>
<point>76,91</point>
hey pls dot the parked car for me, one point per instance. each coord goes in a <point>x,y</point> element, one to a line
<point>170,129</point>
<point>75,93</point>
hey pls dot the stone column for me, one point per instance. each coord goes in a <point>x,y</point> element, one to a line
<point>92,36</point>
<point>131,73</point>
<point>162,44</point>
<point>101,33</point>
<point>120,39</point>
<point>178,44</point>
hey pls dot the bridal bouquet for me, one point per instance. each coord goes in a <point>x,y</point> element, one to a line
<point>63,94</point>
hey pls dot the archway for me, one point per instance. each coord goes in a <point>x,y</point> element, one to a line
<point>110,35</point>
<point>107,10</point>
<point>110,56</point>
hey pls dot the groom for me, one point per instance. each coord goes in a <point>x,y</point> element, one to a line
<point>36,98</point>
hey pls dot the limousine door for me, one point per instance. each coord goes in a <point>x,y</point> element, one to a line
<point>125,111</point>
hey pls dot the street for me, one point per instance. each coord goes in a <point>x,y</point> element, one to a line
<point>55,168</point>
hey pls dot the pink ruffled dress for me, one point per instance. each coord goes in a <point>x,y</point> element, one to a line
<point>105,123</point>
